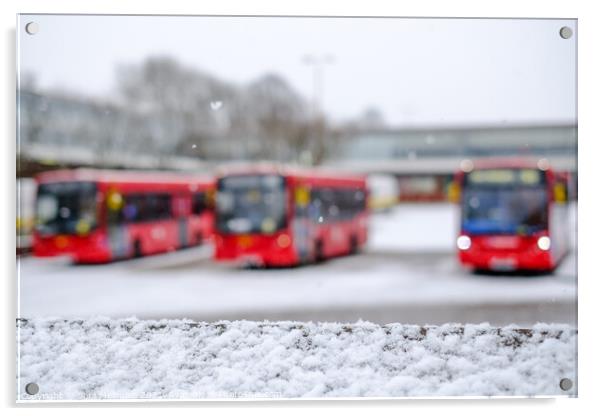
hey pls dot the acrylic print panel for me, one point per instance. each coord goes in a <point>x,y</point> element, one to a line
<point>292,207</point>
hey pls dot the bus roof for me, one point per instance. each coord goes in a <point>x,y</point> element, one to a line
<point>507,163</point>
<point>298,172</point>
<point>116,176</point>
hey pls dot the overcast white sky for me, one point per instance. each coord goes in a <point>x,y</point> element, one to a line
<point>416,71</point>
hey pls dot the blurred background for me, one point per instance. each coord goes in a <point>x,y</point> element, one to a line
<point>402,100</point>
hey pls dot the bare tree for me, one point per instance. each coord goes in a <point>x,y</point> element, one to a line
<point>280,114</point>
<point>164,108</point>
<point>178,99</point>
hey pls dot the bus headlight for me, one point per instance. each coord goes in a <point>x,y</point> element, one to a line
<point>283,241</point>
<point>544,243</point>
<point>463,242</point>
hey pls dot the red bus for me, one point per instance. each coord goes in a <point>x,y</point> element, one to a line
<point>97,216</point>
<point>272,216</point>
<point>513,215</point>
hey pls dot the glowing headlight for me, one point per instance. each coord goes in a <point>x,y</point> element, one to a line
<point>466,165</point>
<point>544,243</point>
<point>463,242</point>
<point>543,164</point>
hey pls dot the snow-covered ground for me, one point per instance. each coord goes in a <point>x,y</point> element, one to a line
<point>415,228</point>
<point>408,273</point>
<point>129,359</point>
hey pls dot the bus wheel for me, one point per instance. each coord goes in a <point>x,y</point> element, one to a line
<point>137,249</point>
<point>199,239</point>
<point>319,252</point>
<point>353,246</point>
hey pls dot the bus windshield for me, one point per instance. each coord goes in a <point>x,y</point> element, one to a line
<point>251,204</point>
<point>504,210</point>
<point>66,208</point>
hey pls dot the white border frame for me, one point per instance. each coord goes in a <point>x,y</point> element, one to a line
<point>589,71</point>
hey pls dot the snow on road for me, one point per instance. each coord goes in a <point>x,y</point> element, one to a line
<point>408,266</point>
<point>129,359</point>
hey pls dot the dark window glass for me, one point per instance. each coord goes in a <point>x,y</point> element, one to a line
<point>66,208</point>
<point>331,205</point>
<point>198,203</point>
<point>504,211</point>
<point>251,204</point>
<point>146,207</point>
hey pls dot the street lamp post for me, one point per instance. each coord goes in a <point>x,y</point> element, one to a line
<point>317,64</point>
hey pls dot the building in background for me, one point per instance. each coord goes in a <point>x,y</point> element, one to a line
<point>424,159</point>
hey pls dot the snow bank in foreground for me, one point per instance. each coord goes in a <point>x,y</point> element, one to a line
<point>124,359</point>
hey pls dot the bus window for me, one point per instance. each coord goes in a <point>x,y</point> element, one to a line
<point>66,208</point>
<point>359,201</point>
<point>199,203</point>
<point>251,204</point>
<point>507,211</point>
<point>323,207</point>
<point>159,206</point>
<point>132,209</point>
<point>146,207</point>
<point>315,206</point>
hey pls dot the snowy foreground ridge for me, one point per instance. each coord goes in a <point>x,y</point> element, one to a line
<point>178,359</point>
